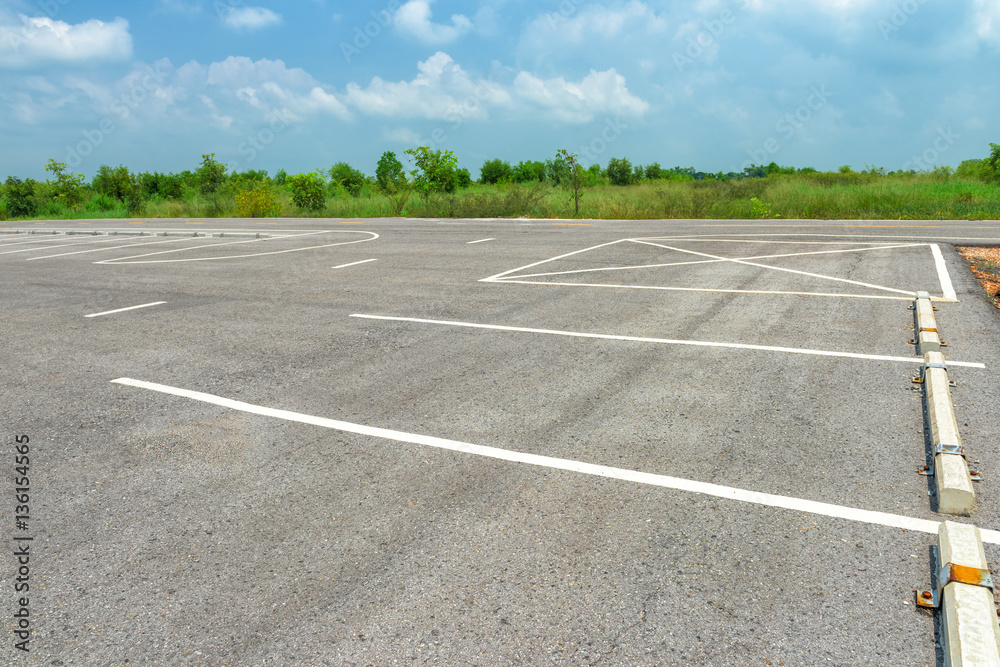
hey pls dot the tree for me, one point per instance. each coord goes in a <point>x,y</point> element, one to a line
<point>463,178</point>
<point>348,177</point>
<point>993,163</point>
<point>67,188</point>
<point>576,174</point>
<point>211,175</point>
<point>557,170</point>
<point>526,172</point>
<point>121,184</point>
<point>494,171</point>
<point>435,170</point>
<point>619,172</point>
<point>20,197</point>
<point>391,180</point>
<point>170,186</point>
<point>654,172</point>
<point>389,173</point>
<point>307,191</point>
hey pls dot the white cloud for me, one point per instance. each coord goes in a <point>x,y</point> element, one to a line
<point>27,42</point>
<point>246,19</point>
<point>414,18</point>
<point>442,90</point>
<point>403,135</point>
<point>592,22</point>
<point>987,19</point>
<point>578,102</point>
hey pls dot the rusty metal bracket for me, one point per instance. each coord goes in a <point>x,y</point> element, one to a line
<point>931,597</point>
<point>955,450</point>
<point>919,379</point>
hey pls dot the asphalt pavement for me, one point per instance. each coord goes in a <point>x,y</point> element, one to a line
<point>483,442</point>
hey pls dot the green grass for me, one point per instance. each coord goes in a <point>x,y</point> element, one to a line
<point>821,196</point>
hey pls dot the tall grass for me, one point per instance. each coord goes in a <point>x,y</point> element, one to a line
<point>821,195</point>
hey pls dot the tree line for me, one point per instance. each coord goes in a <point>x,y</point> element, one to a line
<point>255,192</point>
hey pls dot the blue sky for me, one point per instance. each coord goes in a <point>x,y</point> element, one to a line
<point>300,85</point>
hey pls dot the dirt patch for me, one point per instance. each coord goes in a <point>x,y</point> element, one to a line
<point>985,265</point>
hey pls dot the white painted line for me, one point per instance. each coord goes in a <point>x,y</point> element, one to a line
<point>717,239</point>
<point>546,261</point>
<point>778,268</point>
<point>479,241</point>
<point>122,310</point>
<point>712,261</point>
<point>512,281</point>
<point>128,260</point>
<point>127,245</point>
<point>65,242</point>
<point>364,261</point>
<point>666,341</point>
<point>676,483</point>
<point>946,287</point>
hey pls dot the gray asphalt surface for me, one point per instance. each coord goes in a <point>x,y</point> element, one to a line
<point>169,531</point>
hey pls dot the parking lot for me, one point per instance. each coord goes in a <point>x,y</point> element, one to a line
<point>345,442</point>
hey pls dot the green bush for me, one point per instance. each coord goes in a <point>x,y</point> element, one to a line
<point>494,171</point>
<point>527,172</point>
<point>389,173</point>
<point>121,184</point>
<point>347,177</point>
<point>436,170</point>
<point>619,172</point>
<point>257,202</point>
<point>21,200</point>
<point>100,202</point>
<point>307,191</point>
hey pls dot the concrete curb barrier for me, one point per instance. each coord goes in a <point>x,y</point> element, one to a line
<point>926,336</point>
<point>964,590</point>
<point>955,494</point>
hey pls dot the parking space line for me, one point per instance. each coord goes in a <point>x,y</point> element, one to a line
<point>666,341</point>
<point>506,281</point>
<point>122,310</point>
<point>676,483</point>
<point>778,268</point>
<point>364,261</point>
<point>713,261</point>
<point>137,259</point>
<point>942,269</point>
<point>57,238</point>
<point>127,245</point>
